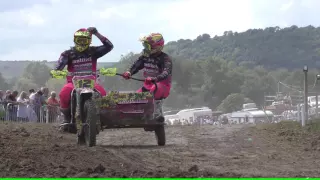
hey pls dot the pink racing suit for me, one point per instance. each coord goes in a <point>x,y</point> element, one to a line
<point>158,66</point>
<point>81,61</point>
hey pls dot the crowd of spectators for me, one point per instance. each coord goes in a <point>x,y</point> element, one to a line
<point>33,106</point>
<point>204,120</point>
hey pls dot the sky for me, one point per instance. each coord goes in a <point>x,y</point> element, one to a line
<point>42,29</point>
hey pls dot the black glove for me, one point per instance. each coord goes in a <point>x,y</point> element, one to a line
<point>92,30</point>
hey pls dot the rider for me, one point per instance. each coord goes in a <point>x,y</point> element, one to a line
<point>81,57</point>
<point>157,67</point>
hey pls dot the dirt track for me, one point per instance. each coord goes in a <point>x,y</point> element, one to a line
<point>34,150</point>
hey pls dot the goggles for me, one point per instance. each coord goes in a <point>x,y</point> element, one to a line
<point>82,40</point>
<point>147,46</point>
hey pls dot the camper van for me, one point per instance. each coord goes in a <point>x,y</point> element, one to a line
<point>249,107</point>
<point>188,116</point>
<point>171,117</point>
<point>312,100</point>
<point>195,114</point>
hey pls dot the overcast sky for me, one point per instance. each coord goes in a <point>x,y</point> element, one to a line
<point>42,29</point>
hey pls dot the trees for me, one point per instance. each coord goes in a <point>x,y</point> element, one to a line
<point>55,84</point>
<point>232,102</point>
<point>24,84</point>
<point>37,72</point>
<point>271,47</point>
<point>3,83</point>
<point>35,75</point>
<point>221,71</point>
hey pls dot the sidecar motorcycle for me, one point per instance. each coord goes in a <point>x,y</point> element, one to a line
<point>92,113</point>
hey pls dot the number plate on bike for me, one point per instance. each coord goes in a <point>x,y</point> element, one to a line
<point>83,82</point>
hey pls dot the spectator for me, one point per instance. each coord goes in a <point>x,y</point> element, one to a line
<point>1,96</point>
<point>35,100</point>
<point>53,105</point>
<point>22,112</point>
<point>8,92</point>
<point>31,91</point>
<point>44,98</point>
<point>4,99</point>
<point>45,92</point>
<point>2,110</point>
<point>12,97</point>
<point>11,105</point>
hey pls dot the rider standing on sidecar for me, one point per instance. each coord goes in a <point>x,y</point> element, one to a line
<point>156,65</point>
<point>81,57</point>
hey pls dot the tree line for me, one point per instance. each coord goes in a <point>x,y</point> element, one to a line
<point>222,72</point>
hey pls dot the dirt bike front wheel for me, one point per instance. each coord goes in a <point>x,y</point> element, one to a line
<point>90,120</point>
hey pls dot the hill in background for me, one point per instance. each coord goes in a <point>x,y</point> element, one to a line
<point>272,47</point>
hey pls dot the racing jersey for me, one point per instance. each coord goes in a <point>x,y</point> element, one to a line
<point>83,61</point>
<point>158,66</point>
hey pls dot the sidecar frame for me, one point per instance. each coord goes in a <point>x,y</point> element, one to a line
<point>128,110</point>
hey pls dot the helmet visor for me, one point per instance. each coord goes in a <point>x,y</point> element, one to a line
<point>146,46</point>
<point>82,40</point>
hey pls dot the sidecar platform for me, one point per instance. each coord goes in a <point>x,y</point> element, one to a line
<point>128,110</point>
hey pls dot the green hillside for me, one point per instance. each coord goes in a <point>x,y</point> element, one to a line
<point>271,47</point>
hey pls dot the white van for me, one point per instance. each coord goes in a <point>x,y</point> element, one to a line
<point>191,115</point>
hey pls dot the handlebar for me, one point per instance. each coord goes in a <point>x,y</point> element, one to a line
<point>137,79</point>
<point>64,73</point>
<point>60,74</point>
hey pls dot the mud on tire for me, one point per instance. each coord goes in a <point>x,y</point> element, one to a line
<point>160,135</point>
<point>90,118</point>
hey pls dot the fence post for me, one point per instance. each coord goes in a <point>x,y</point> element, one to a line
<point>299,113</point>
<point>8,118</point>
<point>41,114</point>
<point>303,120</point>
<point>2,112</point>
<point>47,115</point>
<point>305,107</point>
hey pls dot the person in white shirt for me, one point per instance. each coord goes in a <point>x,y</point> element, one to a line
<point>35,100</point>
<point>22,112</point>
<point>31,96</point>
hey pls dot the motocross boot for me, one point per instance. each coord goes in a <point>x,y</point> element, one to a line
<point>66,114</point>
<point>65,125</point>
<point>158,110</point>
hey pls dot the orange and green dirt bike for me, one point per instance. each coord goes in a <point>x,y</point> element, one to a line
<point>91,113</point>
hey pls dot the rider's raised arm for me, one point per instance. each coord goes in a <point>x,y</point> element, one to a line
<point>137,65</point>
<point>167,69</point>
<point>103,49</point>
<point>62,62</point>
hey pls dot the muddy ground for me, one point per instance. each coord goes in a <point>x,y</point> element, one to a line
<point>276,150</point>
